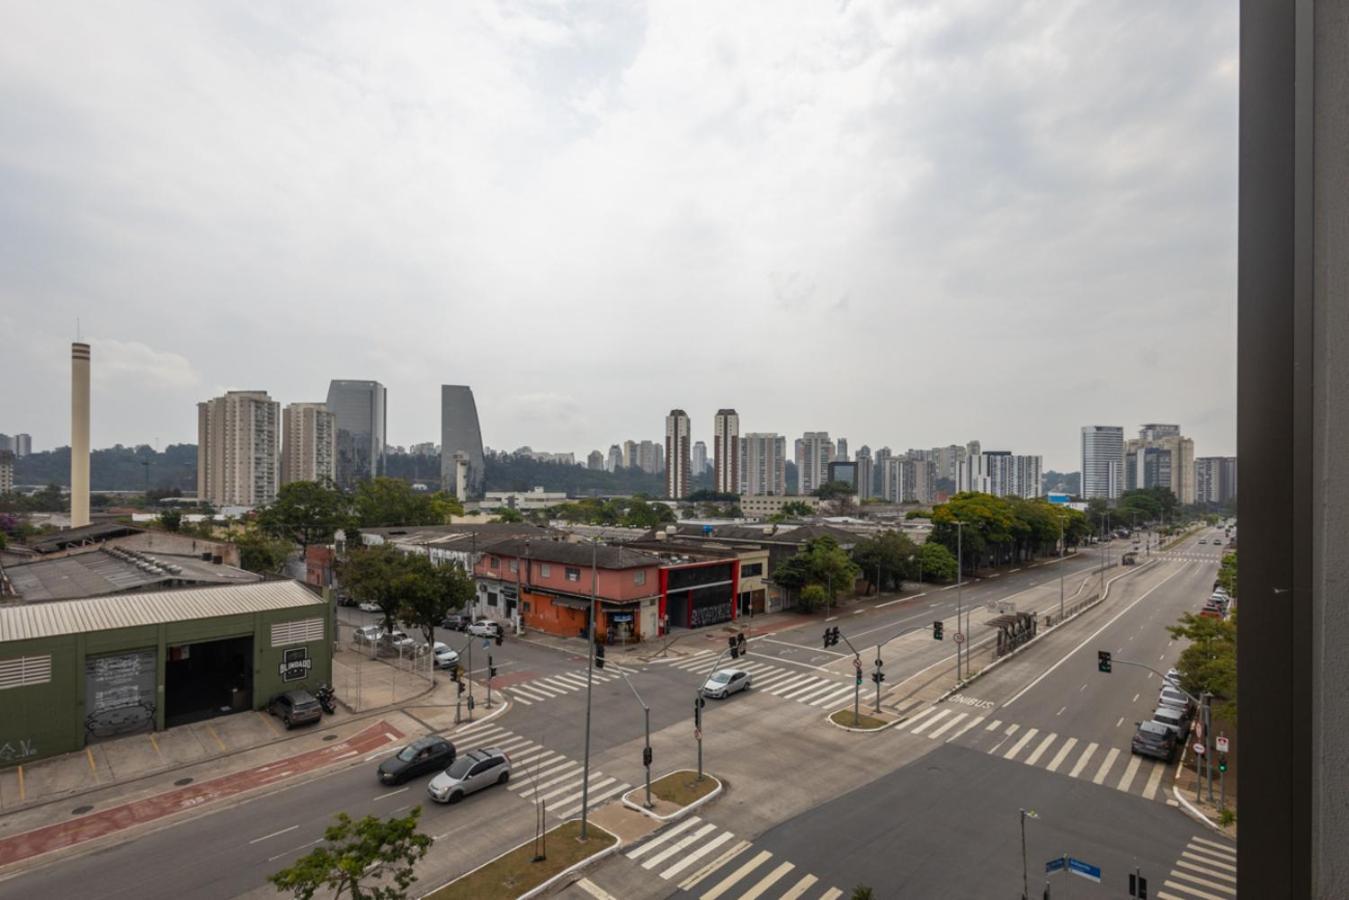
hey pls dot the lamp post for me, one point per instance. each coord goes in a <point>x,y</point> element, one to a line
<point>1025,878</point>
<point>1062,547</point>
<point>960,587</point>
<point>590,676</point>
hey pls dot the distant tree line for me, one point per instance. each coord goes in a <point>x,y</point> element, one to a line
<point>116,468</point>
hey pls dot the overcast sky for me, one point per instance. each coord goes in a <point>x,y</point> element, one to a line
<point>908,224</point>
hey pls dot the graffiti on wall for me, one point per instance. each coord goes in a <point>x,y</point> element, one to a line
<point>119,693</point>
<point>17,751</point>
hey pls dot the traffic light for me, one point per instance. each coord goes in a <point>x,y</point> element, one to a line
<point>1222,763</point>
<point>491,671</point>
<point>936,630</point>
<point>859,676</point>
<point>1103,661</point>
<point>742,644</point>
<point>454,671</point>
<point>831,636</point>
<point>733,646</point>
<point>646,757</point>
<point>500,637</point>
<point>599,656</point>
<point>460,685</point>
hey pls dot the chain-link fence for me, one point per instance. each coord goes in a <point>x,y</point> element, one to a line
<point>372,668</point>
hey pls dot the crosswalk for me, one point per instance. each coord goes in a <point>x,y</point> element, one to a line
<point>702,857</point>
<point>539,774</point>
<point>1190,557</point>
<point>790,684</point>
<point>1061,754</point>
<point>545,688</point>
<point>1206,870</point>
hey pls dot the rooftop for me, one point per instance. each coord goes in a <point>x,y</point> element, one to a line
<point>73,537</point>
<point>25,622</point>
<point>111,570</point>
<point>577,553</point>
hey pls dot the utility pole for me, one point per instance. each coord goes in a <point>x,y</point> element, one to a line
<point>960,588</point>
<point>590,676</point>
<point>1062,546</point>
<point>1025,877</point>
<point>646,749</point>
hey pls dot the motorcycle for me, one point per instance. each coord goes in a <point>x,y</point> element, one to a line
<point>327,698</point>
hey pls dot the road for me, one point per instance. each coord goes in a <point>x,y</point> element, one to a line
<point>776,728</point>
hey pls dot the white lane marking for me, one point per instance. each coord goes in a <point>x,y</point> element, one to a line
<point>1105,765</point>
<point>1189,892</point>
<point>1212,873</point>
<point>1120,722</point>
<point>294,850</point>
<point>992,726</point>
<point>595,785</point>
<point>1082,760</point>
<point>921,714</point>
<point>767,881</point>
<point>1189,852</point>
<point>1039,751</point>
<point>1093,636</point>
<point>1227,849</point>
<point>948,725</point>
<point>659,839</point>
<point>1127,779</point>
<point>800,888</point>
<point>730,880</point>
<point>1136,696</point>
<point>267,837</point>
<point>973,722</point>
<point>1059,757</point>
<point>594,800</point>
<point>389,794</point>
<point>594,890</point>
<point>791,685</point>
<point>829,698</point>
<point>1060,712</point>
<point>735,850</point>
<point>1020,744</point>
<point>899,600</point>
<point>678,845</point>
<point>931,720</point>
<point>696,854</point>
<point>1154,780</point>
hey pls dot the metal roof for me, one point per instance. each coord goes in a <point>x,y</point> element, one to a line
<point>20,623</point>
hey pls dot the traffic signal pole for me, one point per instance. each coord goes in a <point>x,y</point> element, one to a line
<point>646,749</point>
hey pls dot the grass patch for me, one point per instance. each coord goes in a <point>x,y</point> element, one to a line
<point>844,717</point>
<point>683,787</point>
<point>516,873</point>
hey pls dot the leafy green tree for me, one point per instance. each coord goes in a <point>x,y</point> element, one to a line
<point>260,553</point>
<point>1227,574</point>
<point>1209,663</point>
<point>999,530</point>
<point>883,559</point>
<point>812,598</point>
<point>834,490</point>
<point>641,514</point>
<point>381,502</point>
<point>357,853</point>
<point>938,563</point>
<point>796,509</point>
<point>509,515</point>
<point>369,574</point>
<point>306,512</point>
<point>821,562</point>
<point>427,592</point>
<point>171,519</point>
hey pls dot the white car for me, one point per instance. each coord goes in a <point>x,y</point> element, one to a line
<point>484,628</point>
<point>725,682</point>
<point>369,607</point>
<point>445,657</point>
<point>367,634</point>
<point>471,772</point>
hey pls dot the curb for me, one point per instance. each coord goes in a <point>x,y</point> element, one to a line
<point>1193,812</point>
<point>534,892</point>
<point>830,719</point>
<point>683,809</point>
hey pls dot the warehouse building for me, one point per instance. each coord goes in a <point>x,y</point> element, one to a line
<point>75,671</point>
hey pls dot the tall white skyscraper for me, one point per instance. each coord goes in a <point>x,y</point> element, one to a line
<point>677,453</point>
<point>615,457</point>
<point>361,408</point>
<point>1102,461</point>
<point>841,450</point>
<point>814,453</point>
<point>239,449</point>
<point>699,458</point>
<point>309,443</point>
<point>765,460</point>
<point>726,451</point>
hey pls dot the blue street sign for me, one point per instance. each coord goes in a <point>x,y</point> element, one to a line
<point>486,642</point>
<point>1086,870</point>
<point>1054,865</point>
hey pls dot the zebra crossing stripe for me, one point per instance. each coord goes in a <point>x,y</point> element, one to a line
<point>1212,862</point>
<point>1209,872</point>
<point>767,881</point>
<point>972,724</point>
<point>1154,780</point>
<point>735,850</point>
<point>993,726</point>
<point>480,727</point>
<point>1105,765</point>
<point>696,854</point>
<point>790,684</point>
<point>1059,757</point>
<point>836,695</point>
<point>534,694</point>
<point>818,690</point>
<point>800,888</point>
<point>1190,891</point>
<point>1039,751</point>
<point>777,678</point>
<point>1127,779</point>
<point>595,785</point>
<point>956,720</point>
<point>552,769</point>
<point>519,699</point>
<point>919,716</point>
<point>730,880</point>
<point>930,720</point>
<point>1224,848</point>
<point>809,686</point>
<point>1083,759</point>
<point>659,839</point>
<point>595,799</point>
<point>563,772</point>
<point>1022,742</point>
<point>677,846</point>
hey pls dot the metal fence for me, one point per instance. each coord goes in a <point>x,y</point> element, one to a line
<point>371,674</point>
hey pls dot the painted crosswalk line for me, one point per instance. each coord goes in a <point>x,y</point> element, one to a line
<point>1205,870</point>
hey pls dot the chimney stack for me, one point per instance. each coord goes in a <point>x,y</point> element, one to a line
<point>79,434</point>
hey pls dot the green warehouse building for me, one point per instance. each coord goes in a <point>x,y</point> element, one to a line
<point>74,671</point>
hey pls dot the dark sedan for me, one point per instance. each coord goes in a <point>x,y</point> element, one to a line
<point>1155,740</point>
<point>421,757</point>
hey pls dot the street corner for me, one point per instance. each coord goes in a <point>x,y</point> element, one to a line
<point>861,722</point>
<point>675,794</point>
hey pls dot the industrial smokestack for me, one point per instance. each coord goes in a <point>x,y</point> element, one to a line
<point>79,434</point>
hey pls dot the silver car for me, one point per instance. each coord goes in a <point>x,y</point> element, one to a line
<point>725,682</point>
<point>445,657</point>
<point>471,772</point>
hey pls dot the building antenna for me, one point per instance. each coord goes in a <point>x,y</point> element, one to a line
<point>78,337</point>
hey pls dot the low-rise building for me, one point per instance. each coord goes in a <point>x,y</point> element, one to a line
<point>761,507</point>
<point>536,498</point>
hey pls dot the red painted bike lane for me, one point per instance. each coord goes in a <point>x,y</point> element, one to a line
<point>139,812</point>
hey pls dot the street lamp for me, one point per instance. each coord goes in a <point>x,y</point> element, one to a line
<point>1062,547</point>
<point>960,587</point>
<point>590,676</point>
<point>1025,878</point>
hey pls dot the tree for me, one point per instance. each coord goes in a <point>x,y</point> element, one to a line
<point>381,502</point>
<point>306,512</point>
<point>834,490</point>
<point>641,514</point>
<point>821,562</point>
<point>796,509</point>
<point>428,592</point>
<point>260,553</point>
<point>171,519</point>
<point>369,574</point>
<point>358,851</point>
<point>507,514</point>
<point>813,597</point>
<point>1209,663</point>
<point>938,563</point>
<point>1227,574</point>
<point>884,558</point>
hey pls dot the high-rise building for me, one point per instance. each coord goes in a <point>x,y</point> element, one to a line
<point>726,451</point>
<point>646,457</point>
<point>23,445</point>
<point>6,472</point>
<point>1155,432</point>
<point>239,449</point>
<point>677,452</point>
<point>865,475</point>
<point>948,460</point>
<point>426,448</point>
<point>841,450</point>
<point>308,443</point>
<point>698,458</point>
<point>615,460</point>
<point>595,461</point>
<point>7,443</point>
<point>460,433</point>
<point>879,462</point>
<point>660,458</point>
<point>1001,473</point>
<point>1161,457</point>
<point>80,360</point>
<point>814,453</point>
<point>631,450</point>
<point>1215,479</point>
<point>765,464</point>
<point>361,408</point>
<point>1102,461</point>
<point>844,472</point>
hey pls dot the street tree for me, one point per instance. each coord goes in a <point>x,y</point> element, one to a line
<point>813,597</point>
<point>821,562</point>
<point>508,515</point>
<point>364,859</point>
<point>938,563</point>
<point>883,559</point>
<point>171,519</point>
<point>796,509</point>
<point>369,573</point>
<point>428,592</point>
<point>307,512</point>
<point>833,490</point>
<point>381,502</point>
<point>1227,574</point>
<point>260,553</point>
<point>1209,663</point>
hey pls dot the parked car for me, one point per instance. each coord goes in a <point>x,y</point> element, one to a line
<point>1154,739</point>
<point>1178,720</point>
<point>296,707</point>
<point>484,628</point>
<point>445,657</point>
<point>397,643</point>
<point>367,634</point>
<point>1203,540</point>
<point>1171,696</point>
<point>422,756</point>
<point>455,622</point>
<point>1172,676</point>
<point>471,772</point>
<point>725,682</point>
<point>367,606</point>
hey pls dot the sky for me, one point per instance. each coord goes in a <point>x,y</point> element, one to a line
<point>909,224</point>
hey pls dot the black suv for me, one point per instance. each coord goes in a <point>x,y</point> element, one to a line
<point>424,755</point>
<point>1154,739</point>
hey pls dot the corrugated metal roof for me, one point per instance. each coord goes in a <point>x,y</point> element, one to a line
<point>18,623</point>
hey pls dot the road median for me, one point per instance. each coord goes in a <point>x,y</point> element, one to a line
<point>532,867</point>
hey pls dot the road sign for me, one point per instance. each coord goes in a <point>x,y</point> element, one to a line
<point>878,662</point>
<point>1084,869</point>
<point>857,664</point>
<point>1222,743</point>
<point>1198,748</point>
<point>960,637</point>
<point>1055,865</point>
<point>697,734</point>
